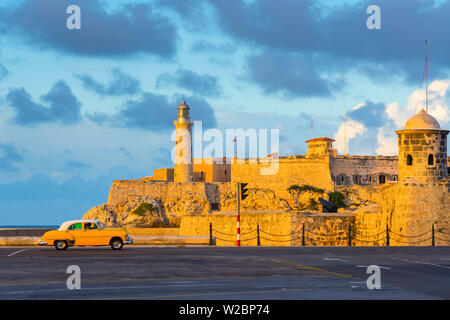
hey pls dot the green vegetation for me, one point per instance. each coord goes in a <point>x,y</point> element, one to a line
<point>143,208</point>
<point>337,198</point>
<point>313,205</point>
<point>305,187</point>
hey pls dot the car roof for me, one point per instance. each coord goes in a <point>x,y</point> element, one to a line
<point>67,224</point>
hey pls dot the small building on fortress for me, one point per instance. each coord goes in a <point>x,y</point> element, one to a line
<point>408,193</point>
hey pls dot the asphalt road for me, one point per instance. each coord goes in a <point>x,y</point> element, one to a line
<point>225,273</point>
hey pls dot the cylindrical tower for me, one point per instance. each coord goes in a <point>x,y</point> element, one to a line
<point>183,145</point>
<point>422,149</point>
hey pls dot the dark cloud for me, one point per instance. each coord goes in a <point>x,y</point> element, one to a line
<point>130,29</point>
<point>9,157</point>
<point>60,105</point>
<point>208,47</point>
<point>291,75</point>
<point>204,85</point>
<point>370,114</point>
<point>121,84</point>
<point>3,72</point>
<point>155,113</point>
<point>334,39</point>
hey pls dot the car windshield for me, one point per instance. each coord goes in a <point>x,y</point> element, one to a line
<point>100,225</point>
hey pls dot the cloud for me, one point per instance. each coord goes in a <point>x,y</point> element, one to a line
<point>9,157</point>
<point>331,39</point>
<point>371,126</point>
<point>59,105</point>
<point>155,113</point>
<point>288,74</point>
<point>121,84</point>
<point>3,72</point>
<point>348,130</point>
<point>76,165</point>
<point>370,114</point>
<point>209,47</point>
<point>204,85</point>
<point>127,30</point>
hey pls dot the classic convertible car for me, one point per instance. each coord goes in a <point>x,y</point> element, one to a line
<point>85,233</point>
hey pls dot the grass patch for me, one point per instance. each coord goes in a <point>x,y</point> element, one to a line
<point>305,187</point>
<point>143,208</point>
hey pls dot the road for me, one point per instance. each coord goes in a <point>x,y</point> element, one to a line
<point>199,273</point>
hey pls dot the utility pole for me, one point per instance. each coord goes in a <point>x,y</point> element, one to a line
<point>238,217</point>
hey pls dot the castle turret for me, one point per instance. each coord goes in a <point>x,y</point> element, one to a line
<point>422,149</point>
<point>183,145</point>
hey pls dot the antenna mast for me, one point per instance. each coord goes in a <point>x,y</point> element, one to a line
<point>345,130</point>
<point>426,74</point>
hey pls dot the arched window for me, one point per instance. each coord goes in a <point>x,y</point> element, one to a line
<point>409,160</point>
<point>430,160</point>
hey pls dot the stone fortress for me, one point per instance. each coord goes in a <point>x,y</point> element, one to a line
<point>408,194</point>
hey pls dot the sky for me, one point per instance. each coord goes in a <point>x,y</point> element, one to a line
<point>80,108</point>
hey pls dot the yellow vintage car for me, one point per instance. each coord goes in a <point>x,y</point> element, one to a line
<point>85,232</point>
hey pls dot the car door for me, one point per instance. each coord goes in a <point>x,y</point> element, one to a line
<point>94,235</point>
<point>79,234</point>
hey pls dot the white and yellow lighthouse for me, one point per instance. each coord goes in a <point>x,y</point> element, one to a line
<point>183,145</point>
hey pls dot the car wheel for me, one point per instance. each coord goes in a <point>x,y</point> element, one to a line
<point>116,243</point>
<point>61,245</point>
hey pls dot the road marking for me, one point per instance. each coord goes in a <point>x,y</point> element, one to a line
<point>207,294</point>
<point>313,268</point>
<point>9,255</point>
<point>109,288</point>
<point>381,267</point>
<point>334,259</point>
<point>420,262</point>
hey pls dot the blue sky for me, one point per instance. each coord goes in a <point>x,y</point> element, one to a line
<point>79,108</point>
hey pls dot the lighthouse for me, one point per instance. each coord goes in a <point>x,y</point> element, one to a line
<point>183,145</point>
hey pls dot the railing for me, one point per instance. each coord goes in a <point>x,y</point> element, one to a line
<point>385,237</point>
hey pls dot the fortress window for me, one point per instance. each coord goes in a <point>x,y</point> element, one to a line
<point>430,160</point>
<point>370,179</point>
<point>409,160</point>
<point>355,179</point>
<point>225,172</point>
<point>382,178</point>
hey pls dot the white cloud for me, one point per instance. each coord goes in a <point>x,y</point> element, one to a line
<point>350,129</point>
<point>397,115</point>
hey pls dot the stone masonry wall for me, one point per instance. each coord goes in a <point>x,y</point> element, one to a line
<point>363,170</point>
<point>294,170</point>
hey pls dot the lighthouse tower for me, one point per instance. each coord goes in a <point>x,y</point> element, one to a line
<point>183,145</point>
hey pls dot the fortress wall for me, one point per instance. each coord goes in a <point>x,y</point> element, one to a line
<point>410,208</point>
<point>366,169</point>
<point>279,223</point>
<point>287,225</point>
<point>176,199</point>
<point>322,229</point>
<point>300,171</point>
